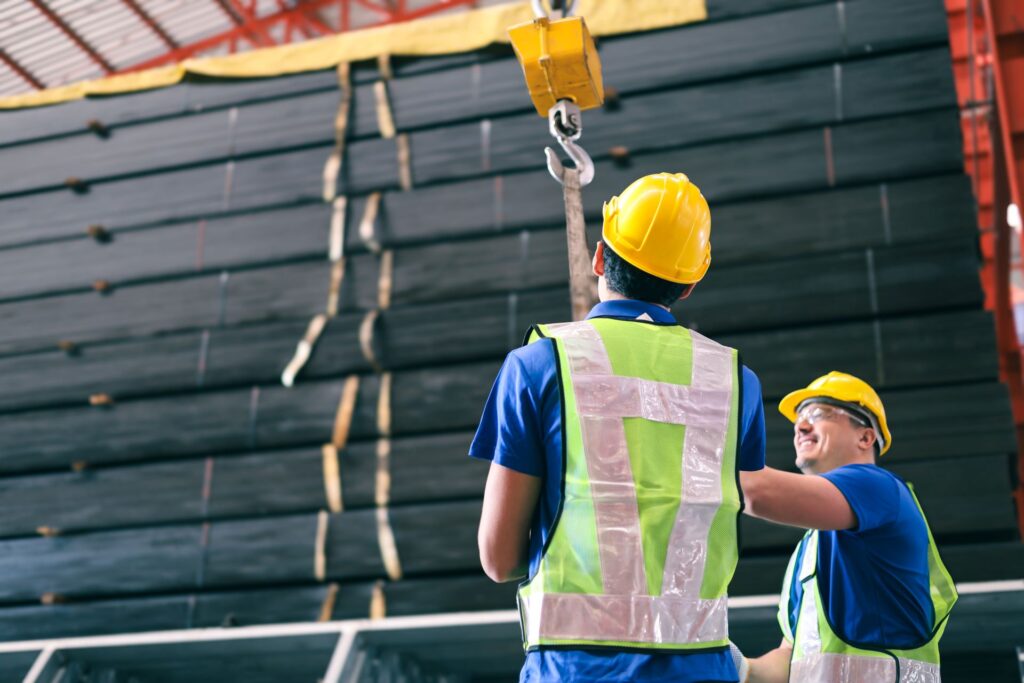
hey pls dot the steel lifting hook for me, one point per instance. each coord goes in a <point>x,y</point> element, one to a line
<point>566,125</point>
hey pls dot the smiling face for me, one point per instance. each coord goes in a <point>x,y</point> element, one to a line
<point>826,437</point>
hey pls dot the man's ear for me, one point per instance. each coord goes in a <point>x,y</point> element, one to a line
<point>598,262</point>
<point>687,291</point>
<point>867,439</point>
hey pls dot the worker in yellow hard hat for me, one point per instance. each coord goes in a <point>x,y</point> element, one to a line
<point>614,444</point>
<point>866,596</point>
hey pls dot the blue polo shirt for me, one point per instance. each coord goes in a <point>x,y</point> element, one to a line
<point>874,577</point>
<point>521,428</point>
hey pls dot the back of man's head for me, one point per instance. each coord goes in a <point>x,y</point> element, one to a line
<point>626,279</point>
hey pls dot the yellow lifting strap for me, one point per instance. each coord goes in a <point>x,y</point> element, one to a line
<point>563,75</point>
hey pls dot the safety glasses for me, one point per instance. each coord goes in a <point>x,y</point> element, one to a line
<point>818,412</point>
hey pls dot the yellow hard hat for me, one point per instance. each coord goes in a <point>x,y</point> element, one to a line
<point>661,224</point>
<point>839,386</point>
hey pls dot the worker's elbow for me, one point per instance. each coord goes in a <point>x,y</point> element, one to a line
<point>498,570</point>
<point>497,565</point>
<point>497,573</point>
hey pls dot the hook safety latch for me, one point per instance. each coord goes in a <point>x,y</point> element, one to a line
<point>565,122</point>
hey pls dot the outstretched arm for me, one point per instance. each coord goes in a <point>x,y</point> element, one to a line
<point>802,500</point>
<point>510,499</point>
<point>771,667</point>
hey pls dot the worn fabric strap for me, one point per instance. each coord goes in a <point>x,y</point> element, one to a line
<point>384,405</point>
<point>334,288</point>
<point>323,519</point>
<point>385,119</point>
<point>388,549</point>
<point>336,242</point>
<point>378,601</point>
<point>404,150</point>
<point>304,349</point>
<point>333,165</point>
<point>368,224</point>
<point>346,409</point>
<point>582,285</point>
<point>332,477</point>
<point>330,599</point>
<point>386,279</point>
<point>366,329</point>
<point>382,483</point>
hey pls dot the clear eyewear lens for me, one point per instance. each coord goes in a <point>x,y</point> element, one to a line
<point>813,414</point>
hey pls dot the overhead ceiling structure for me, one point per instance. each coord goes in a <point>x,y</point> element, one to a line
<point>48,43</point>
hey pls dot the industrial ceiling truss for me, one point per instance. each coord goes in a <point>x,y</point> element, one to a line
<point>48,43</point>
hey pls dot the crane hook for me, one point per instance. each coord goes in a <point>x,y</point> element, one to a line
<point>566,126</point>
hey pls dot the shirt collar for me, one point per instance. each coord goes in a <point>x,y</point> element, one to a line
<point>630,309</point>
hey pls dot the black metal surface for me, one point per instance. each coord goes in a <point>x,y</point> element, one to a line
<point>844,238</point>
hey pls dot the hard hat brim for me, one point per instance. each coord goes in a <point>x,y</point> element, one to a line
<point>788,405</point>
<point>690,278</point>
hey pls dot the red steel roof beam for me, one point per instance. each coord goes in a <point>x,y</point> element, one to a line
<point>374,7</point>
<point>433,8</point>
<point>151,23</point>
<point>73,35</point>
<point>247,23</point>
<point>265,22</point>
<point>314,21</point>
<point>17,68</point>
<point>291,24</point>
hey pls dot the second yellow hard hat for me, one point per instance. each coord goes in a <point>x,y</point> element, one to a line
<point>840,386</point>
<point>661,224</point>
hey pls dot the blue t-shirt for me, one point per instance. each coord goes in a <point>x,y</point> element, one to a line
<point>521,428</point>
<point>874,577</point>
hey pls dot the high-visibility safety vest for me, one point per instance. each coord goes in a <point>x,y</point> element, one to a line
<point>644,545</point>
<point>822,656</point>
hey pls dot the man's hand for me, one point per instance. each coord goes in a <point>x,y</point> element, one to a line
<point>510,500</point>
<point>772,667</point>
<point>803,500</point>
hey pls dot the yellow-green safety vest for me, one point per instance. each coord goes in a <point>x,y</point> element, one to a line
<point>822,656</point>
<point>645,542</point>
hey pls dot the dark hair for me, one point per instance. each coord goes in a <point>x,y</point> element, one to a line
<point>629,281</point>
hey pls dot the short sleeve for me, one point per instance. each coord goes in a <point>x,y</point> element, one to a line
<point>873,494</point>
<point>752,435</point>
<point>509,430</point>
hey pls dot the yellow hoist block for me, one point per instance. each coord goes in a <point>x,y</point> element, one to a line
<point>559,61</point>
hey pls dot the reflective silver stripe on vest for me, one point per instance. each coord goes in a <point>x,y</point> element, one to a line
<point>626,612</point>
<point>836,668</point>
<point>815,666</point>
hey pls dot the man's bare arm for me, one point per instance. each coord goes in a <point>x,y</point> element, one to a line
<point>771,667</point>
<point>802,500</point>
<point>510,499</point>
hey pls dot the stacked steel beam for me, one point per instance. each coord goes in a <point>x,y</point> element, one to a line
<point>162,253</point>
